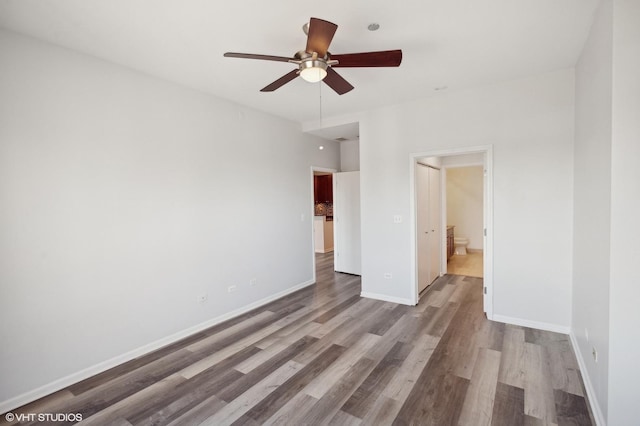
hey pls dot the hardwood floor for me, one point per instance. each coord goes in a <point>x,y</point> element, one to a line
<point>323,355</point>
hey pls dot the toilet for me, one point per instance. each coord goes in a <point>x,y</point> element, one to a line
<point>460,245</point>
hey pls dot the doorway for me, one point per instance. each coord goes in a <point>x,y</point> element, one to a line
<point>480,155</point>
<point>321,213</point>
<point>463,196</point>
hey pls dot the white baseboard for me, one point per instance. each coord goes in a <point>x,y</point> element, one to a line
<point>386,298</point>
<point>532,324</point>
<point>591,394</point>
<point>71,379</point>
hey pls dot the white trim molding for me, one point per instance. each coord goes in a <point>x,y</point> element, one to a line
<point>71,379</point>
<point>387,298</point>
<point>591,393</point>
<point>532,324</point>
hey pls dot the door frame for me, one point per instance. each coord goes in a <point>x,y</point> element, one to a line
<point>313,214</point>
<point>487,151</point>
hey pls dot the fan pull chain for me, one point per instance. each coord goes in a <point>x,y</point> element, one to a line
<point>320,101</point>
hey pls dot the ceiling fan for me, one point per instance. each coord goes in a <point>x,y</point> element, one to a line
<point>315,63</point>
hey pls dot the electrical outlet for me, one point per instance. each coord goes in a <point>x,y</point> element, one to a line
<point>594,353</point>
<point>397,219</point>
<point>253,282</point>
<point>231,288</point>
<point>202,298</point>
<point>388,275</point>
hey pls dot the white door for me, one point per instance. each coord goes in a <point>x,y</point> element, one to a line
<point>422,225</point>
<point>428,224</point>
<point>346,222</point>
<point>434,224</point>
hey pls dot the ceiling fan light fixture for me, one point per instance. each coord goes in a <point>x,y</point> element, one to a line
<point>313,70</point>
<point>315,63</point>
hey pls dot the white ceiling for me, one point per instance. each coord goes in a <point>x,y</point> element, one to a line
<point>450,43</point>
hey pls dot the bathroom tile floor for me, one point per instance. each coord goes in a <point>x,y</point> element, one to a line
<point>469,265</point>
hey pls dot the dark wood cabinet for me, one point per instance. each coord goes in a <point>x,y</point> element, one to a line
<point>450,243</point>
<point>323,189</point>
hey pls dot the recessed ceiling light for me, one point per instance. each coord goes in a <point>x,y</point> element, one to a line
<point>374,26</point>
<point>321,147</point>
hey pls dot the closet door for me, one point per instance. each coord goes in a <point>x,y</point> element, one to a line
<point>434,224</point>
<point>422,225</point>
<point>428,224</point>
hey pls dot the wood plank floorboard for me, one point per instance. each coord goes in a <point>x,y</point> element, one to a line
<point>361,401</point>
<point>508,406</point>
<point>237,388</point>
<point>324,355</point>
<point>571,409</point>
<point>276,400</point>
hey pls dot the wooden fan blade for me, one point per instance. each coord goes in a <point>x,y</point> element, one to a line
<point>280,82</point>
<point>336,82</point>
<point>252,56</point>
<point>387,58</point>
<point>320,35</point>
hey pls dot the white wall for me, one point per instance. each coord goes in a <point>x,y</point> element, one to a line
<point>350,156</point>
<point>464,203</point>
<point>124,197</point>
<point>463,160</point>
<point>592,203</point>
<point>624,295</point>
<point>607,207</point>
<point>530,124</point>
